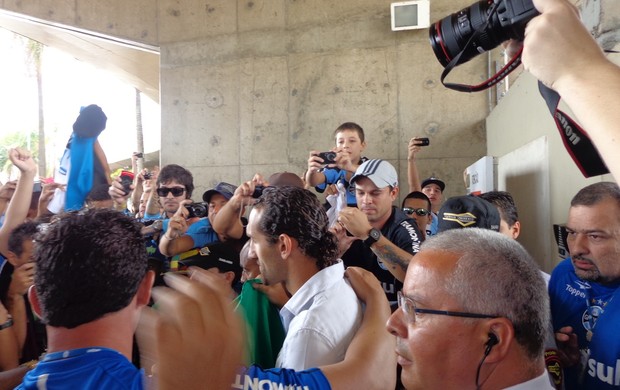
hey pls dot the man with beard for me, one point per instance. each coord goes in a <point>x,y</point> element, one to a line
<point>585,298</point>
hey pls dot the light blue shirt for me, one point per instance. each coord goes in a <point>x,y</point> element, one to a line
<point>320,319</point>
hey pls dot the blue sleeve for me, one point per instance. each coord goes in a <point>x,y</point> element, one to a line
<point>331,177</point>
<point>202,233</point>
<point>255,377</point>
<point>148,217</point>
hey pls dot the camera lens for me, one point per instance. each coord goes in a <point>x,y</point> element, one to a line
<point>258,191</point>
<point>450,35</point>
<point>198,210</point>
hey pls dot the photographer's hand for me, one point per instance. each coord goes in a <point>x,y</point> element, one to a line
<point>413,148</point>
<point>47,193</point>
<point>343,161</point>
<point>559,51</point>
<point>117,193</point>
<point>314,174</point>
<point>315,163</point>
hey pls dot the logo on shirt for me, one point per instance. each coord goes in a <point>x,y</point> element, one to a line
<point>590,316</point>
<point>583,285</point>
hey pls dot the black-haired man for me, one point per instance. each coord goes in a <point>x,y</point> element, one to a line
<point>289,233</point>
<point>91,283</point>
<point>383,238</point>
<point>416,205</point>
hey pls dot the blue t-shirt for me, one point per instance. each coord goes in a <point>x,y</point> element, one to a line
<point>84,368</point>
<point>201,232</point>
<point>588,307</point>
<point>431,229</point>
<point>336,175</point>
<point>255,377</point>
<point>333,176</point>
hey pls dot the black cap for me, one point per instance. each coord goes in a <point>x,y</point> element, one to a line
<point>225,189</point>
<point>219,255</point>
<point>468,211</point>
<point>434,180</point>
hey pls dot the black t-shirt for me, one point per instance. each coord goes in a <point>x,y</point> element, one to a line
<point>401,231</point>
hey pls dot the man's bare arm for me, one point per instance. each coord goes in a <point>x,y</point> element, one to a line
<point>560,52</point>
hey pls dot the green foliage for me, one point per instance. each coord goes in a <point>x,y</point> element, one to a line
<point>28,141</point>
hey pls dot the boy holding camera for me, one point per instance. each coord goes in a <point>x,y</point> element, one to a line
<point>340,163</point>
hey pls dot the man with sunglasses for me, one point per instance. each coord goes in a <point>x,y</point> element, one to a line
<point>417,205</point>
<point>174,188</point>
<point>460,326</point>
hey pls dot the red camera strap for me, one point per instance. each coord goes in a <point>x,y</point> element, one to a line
<point>575,139</point>
<point>499,76</point>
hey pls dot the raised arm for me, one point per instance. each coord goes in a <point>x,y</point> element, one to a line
<point>20,203</point>
<point>559,51</point>
<point>413,177</point>
<point>227,222</point>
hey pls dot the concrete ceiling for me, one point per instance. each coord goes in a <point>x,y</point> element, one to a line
<point>136,64</point>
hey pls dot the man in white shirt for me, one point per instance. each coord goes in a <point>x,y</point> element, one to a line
<point>289,232</point>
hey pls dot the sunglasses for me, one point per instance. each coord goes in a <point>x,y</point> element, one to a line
<point>421,212</point>
<point>176,191</point>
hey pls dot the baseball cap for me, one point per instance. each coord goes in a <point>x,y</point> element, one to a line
<point>220,256</point>
<point>380,172</point>
<point>285,179</point>
<point>468,211</point>
<point>225,189</point>
<point>434,180</point>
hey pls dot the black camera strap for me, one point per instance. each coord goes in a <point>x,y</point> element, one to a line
<point>499,76</point>
<point>575,139</point>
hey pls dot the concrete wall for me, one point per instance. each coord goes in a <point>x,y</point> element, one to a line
<point>252,85</point>
<point>134,20</point>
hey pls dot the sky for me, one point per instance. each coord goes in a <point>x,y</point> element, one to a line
<point>69,84</point>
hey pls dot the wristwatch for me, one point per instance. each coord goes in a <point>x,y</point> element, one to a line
<point>373,236</point>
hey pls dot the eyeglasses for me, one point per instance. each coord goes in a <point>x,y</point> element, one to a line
<point>410,310</point>
<point>176,191</point>
<point>421,212</point>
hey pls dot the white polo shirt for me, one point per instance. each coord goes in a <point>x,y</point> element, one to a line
<point>320,320</point>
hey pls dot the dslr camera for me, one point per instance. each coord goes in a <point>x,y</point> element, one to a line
<point>199,209</point>
<point>496,20</point>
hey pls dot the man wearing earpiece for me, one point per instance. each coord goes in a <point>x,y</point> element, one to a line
<point>472,315</point>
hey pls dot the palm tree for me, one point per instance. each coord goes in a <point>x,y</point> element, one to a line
<point>15,139</point>
<point>34,51</point>
<point>139,134</point>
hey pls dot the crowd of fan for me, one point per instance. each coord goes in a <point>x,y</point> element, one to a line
<point>261,285</point>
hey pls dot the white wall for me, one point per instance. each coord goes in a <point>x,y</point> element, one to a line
<point>520,118</point>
